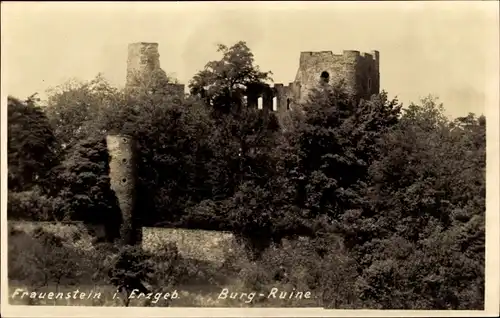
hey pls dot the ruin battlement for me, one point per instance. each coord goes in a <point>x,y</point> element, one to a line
<point>358,70</point>
<point>345,53</point>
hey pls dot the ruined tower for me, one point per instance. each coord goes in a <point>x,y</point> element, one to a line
<point>123,179</point>
<point>359,71</point>
<point>143,68</point>
<point>143,63</point>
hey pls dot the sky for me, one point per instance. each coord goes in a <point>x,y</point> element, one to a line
<point>447,49</point>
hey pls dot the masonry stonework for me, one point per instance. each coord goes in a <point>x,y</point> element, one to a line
<point>143,68</point>
<point>122,176</point>
<point>195,244</point>
<point>359,71</point>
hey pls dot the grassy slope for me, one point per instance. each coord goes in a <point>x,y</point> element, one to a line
<point>201,285</point>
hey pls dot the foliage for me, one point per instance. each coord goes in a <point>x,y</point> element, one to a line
<point>222,83</point>
<point>32,145</point>
<point>86,192</point>
<point>45,259</point>
<point>131,268</point>
<point>175,156</point>
<point>422,227</point>
<point>242,139</point>
<point>75,108</point>
<point>31,205</point>
<point>296,265</point>
<point>326,152</point>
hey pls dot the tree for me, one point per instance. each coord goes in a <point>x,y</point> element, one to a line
<point>130,269</point>
<point>75,108</point>
<point>32,145</point>
<point>85,187</point>
<point>174,155</point>
<point>223,83</point>
<point>243,164</point>
<point>32,205</point>
<point>330,145</point>
<point>42,258</point>
<point>419,238</point>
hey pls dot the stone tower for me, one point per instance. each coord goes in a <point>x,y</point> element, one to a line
<point>143,68</point>
<point>123,178</point>
<point>143,62</point>
<point>359,71</point>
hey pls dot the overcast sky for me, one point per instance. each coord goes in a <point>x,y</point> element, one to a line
<point>449,49</point>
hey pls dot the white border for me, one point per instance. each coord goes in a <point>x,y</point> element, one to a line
<point>492,288</point>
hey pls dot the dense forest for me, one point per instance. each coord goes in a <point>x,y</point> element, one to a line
<point>403,188</point>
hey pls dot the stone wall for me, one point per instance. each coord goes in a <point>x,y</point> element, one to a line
<point>196,244</point>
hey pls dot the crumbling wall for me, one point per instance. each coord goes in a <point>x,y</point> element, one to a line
<point>369,74</point>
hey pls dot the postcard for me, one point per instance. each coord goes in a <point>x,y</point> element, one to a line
<point>250,159</point>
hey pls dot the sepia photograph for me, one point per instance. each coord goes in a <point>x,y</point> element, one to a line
<point>250,158</point>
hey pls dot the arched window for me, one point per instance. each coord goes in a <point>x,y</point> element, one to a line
<point>288,104</point>
<point>275,103</point>
<point>259,103</point>
<point>325,77</point>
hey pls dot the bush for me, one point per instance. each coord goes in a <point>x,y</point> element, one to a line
<point>297,264</point>
<point>166,267</point>
<point>43,258</point>
<point>31,205</point>
<point>130,269</point>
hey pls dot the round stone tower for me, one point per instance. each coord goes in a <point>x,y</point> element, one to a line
<point>123,180</point>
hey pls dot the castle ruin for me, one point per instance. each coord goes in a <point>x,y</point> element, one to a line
<point>359,72</point>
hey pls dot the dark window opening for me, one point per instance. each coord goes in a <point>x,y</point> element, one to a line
<point>124,140</point>
<point>124,160</point>
<point>124,180</point>
<point>288,104</point>
<point>369,83</point>
<point>325,77</point>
